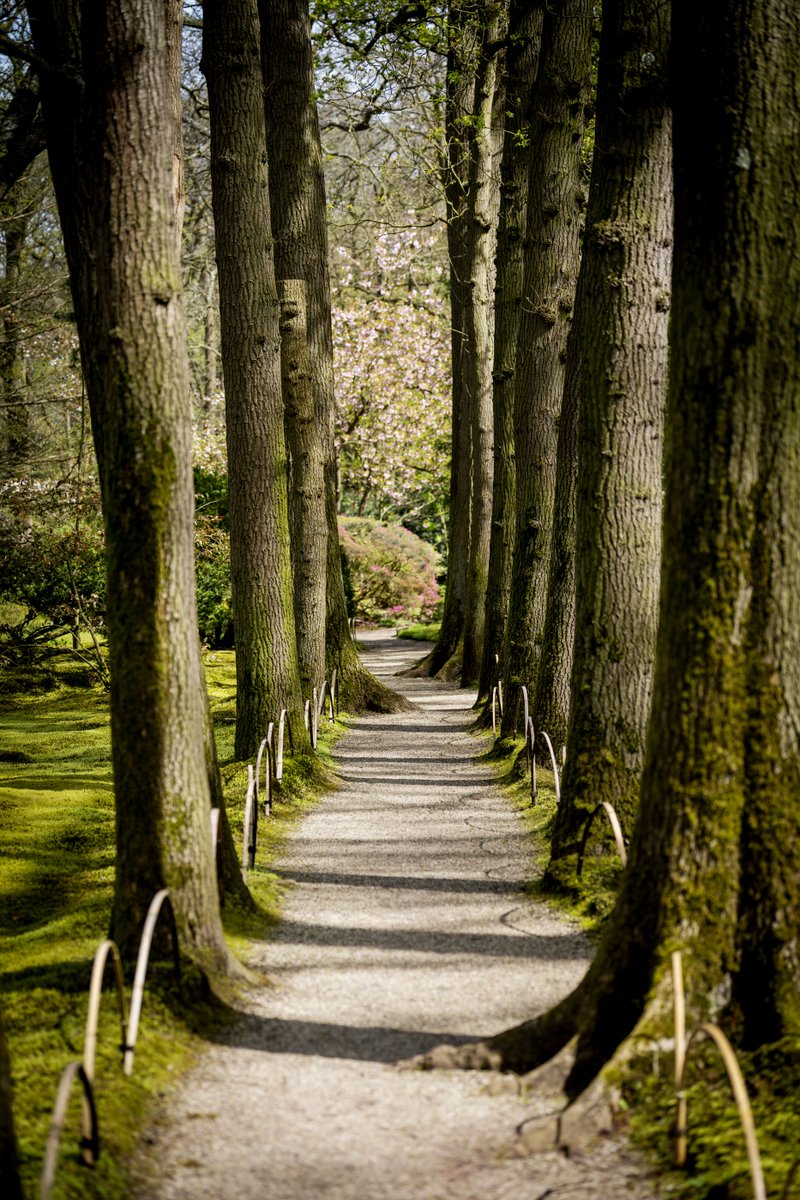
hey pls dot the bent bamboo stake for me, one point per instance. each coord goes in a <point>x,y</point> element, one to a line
<point>500,694</point>
<point>90,1036</point>
<point>283,720</point>
<point>335,690</point>
<point>616,829</point>
<point>248,838</point>
<point>530,737</point>
<point>259,756</point>
<point>314,718</point>
<point>494,713</point>
<point>142,960</point>
<point>269,768</point>
<point>553,761</point>
<point>71,1072</point>
<point>214,828</point>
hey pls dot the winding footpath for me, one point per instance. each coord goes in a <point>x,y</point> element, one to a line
<point>405,928</point>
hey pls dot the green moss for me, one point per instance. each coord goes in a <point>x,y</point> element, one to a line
<point>420,633</point>
<point>57,844</point>
<point>717,1167</point>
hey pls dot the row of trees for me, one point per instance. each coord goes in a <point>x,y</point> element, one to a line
<point>638,353</point>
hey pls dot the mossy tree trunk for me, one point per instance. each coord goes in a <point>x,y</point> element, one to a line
<point>550,707</point>
<point>522,56</point>
<point>555,214</point>
<point>267,678</point>
<point>623,384</point>
<point>724,739</point>
<point>462,60</point>
<point>309,528</point>
<point>299,227</point>
<point>488,120</point>
<point>110,144</point>
<point>16,218</point>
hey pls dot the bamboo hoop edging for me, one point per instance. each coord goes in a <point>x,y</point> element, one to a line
<point>257,773</point>
<point>90,1147</point>
<point>314,718</point>
<point>683,1047</point>
<point>553,761</point>
<point>249,831</point>
<point>500,695</point>
<point>494,713</point>
<point>142,960</point>
<point>88,1153</point>
<point>616,829</point>
<point>214,829</point>
<point>269,768</point>
<point>530,736</point>
<point>335,689</point>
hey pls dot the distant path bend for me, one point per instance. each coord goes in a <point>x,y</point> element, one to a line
<point>406,927</point>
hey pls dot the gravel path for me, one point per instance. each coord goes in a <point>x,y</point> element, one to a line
<point>405,928</point>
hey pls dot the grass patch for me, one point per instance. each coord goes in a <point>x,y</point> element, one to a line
<point>57,844</point>
<point>420,633</point>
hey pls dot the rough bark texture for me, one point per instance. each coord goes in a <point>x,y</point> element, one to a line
<point>110,145</point>
<point>462,56</point>
<point>724,738</point>
<point>299,226</point>
<point>522,56</point>
<point>309,528</point>
<point>555,214</point>
<point>9,1173</point>
<point>478,355</point>
<point>626,263</point>
<point>550,708</point>
<point>12,358</point>
<point>21,129</point>
<point>267,676</point>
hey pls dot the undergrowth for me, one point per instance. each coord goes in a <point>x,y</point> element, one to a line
<point>420,633</point>
<point>57,845</point>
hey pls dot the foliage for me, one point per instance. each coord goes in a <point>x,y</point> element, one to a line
<point>392,361</point>
<point>213,580</point>
<point>393,572</point>
<point>420,633</point>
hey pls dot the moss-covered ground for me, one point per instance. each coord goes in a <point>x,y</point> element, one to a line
<point>420,633</point>
<point>717,1165</point>
<point>57,849</point>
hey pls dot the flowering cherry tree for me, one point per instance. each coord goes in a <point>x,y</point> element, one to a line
<point>392,359</point>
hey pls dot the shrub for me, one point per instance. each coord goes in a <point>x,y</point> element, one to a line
<point>392,571</point>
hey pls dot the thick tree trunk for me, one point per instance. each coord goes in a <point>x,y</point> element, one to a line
<point>484,204</point>
<point>299,226</point>
<point>623,391</point>
<point>555,213</point>
<point>723,741</point>
<point>463,50</point>
<point>522,56</point>
<point>110,144</point>
<point>261,575</point>
<point>550,709</point>
<point>309,528</point>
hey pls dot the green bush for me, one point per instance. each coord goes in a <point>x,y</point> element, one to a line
<point>392,572</point>
<point>213,579</point>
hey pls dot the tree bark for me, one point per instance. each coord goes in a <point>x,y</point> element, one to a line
<point>267,675</point>
<point>299,226</point>
<point>12,358</point>
<point>110,145</point>
<point>522,56</point>
<point>723,739</point>
<point>555,214</point>
<point>309,529</point>
<point>623,382</point>
<point>484,204</point>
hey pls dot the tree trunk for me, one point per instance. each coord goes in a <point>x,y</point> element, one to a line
<point>723,742</point>
<point>299,226</point>
<point>626,261</point>
<point>110,144</point>
<point>484,203</point>
<point>550,709</point>
<point>309,529</point>
<point>462,54</point>
<point>555,213</point>
<point>12,359</point>
<point>261,575</point>
<point>522,56</point>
